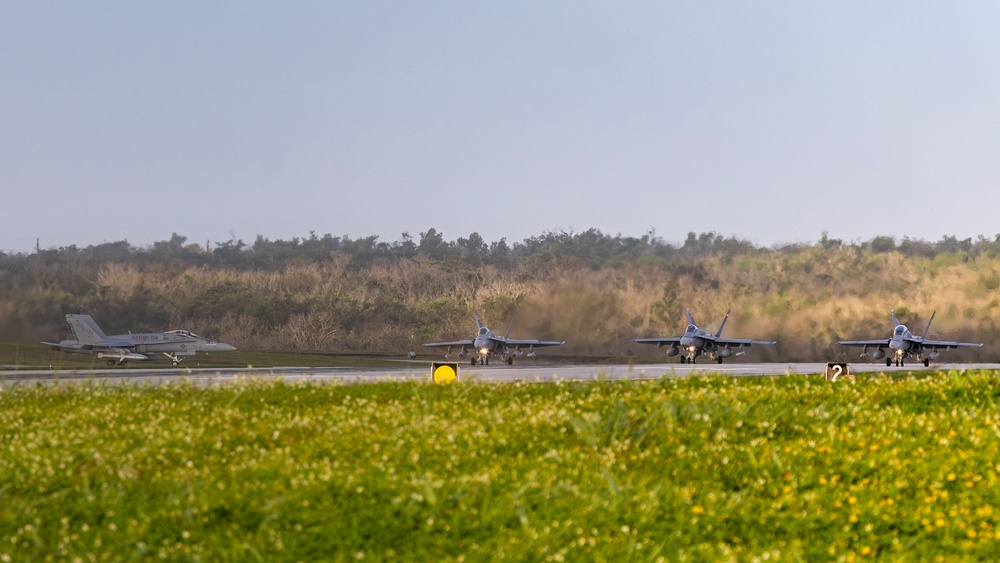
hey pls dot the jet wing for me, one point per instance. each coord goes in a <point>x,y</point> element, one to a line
<point>455,343</point>
<point>670,340</point>
<point>61,346</point>
<point>113,344</point>
<point>533,342</point>
<point>949,345</point>
<point>99,346</point>
<point>882,342</point>
<point>743,341</point>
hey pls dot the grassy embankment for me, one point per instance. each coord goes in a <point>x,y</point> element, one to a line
<point>806,298</point>
<point>705,468</point>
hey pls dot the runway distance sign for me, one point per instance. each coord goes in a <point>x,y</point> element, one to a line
<point>838,370</point>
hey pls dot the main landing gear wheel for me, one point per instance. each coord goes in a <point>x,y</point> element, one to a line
<point>888,362</point>
<point>927,362</point>
<point>473,362</point>
<point>683,359</point>
<point>720,360</point>
<point>510,361</point>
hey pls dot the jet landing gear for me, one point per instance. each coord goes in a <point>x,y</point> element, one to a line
<point>173,359</point>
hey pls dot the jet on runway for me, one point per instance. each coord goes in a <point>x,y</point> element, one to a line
<point>120,348</point>
<point>487,343</point>
<point>903,344</point>
<point>697,342</point>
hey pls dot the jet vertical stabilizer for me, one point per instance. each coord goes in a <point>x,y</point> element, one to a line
<point>928,328</point>
<point>723,325</point>
<point>85,329</point>
<point>511,325</point>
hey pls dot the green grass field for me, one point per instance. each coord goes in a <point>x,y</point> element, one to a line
<point>701,468</point>
<point>39,356</point>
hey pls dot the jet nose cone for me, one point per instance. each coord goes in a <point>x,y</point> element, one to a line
<point>223,347</point>
<point>480,343</point>
<point>685,341</point>
<point>894,344</point>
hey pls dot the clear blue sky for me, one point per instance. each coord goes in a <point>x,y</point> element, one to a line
<point>771,121</point>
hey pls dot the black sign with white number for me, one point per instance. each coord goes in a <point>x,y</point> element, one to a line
<point>836,370</point>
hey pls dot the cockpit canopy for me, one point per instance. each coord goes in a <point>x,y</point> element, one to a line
<point>899,331</point>
<point>691,328</point>
<point>483,331</point>
<point>182,333</point>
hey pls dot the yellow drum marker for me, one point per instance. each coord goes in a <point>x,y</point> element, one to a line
<point>445,372</point>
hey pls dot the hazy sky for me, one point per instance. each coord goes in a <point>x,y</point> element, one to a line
<point>772,121</point>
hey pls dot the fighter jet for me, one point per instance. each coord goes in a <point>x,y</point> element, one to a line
<point>697,342</point>
<point>120,348</point>
<point>487,343</point>
<point>903,344</point>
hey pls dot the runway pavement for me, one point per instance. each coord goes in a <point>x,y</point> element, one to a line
<point>421,371</point>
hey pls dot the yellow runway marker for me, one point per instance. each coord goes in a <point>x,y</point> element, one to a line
<point>445,372</point>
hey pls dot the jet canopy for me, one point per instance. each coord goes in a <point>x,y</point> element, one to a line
<point>483,331</point>
<point>182,333</point>
<point>899,330</point>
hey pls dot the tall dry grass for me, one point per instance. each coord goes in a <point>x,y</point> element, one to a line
<point>807,299</point>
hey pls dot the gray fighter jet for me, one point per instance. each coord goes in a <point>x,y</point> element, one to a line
<point>903,344</point>
<point>697,342</point>
<point>487,343</point>
<point>120,348</point>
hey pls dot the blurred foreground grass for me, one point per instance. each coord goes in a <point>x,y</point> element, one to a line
<point>704,468</point>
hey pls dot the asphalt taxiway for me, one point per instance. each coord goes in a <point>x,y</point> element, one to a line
<point>421,371</point>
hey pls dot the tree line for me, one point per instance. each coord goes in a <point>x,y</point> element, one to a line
<point>592,289</point>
